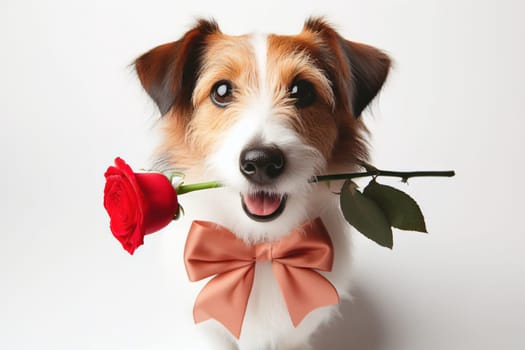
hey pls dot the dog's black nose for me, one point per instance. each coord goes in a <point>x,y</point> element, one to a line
<point>262,165</point>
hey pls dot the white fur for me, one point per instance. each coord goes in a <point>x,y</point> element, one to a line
<point>267,324</point>
<point>260,49</point>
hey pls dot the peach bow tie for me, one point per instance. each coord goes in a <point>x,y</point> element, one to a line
<point>214,250</point>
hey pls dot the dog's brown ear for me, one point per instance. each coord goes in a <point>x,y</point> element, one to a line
<point>168,72</point>
<point>358,70</point>
<point>369,68</point>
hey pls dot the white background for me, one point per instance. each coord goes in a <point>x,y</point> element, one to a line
<point>70,103</point>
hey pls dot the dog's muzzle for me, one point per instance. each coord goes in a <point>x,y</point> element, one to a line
<point>262,166</point>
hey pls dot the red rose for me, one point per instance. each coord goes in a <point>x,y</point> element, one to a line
<point>137,203</point>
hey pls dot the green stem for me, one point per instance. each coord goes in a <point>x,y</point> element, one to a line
<point>197,187</point>
<point>402,174</point>
<point>405,175</point>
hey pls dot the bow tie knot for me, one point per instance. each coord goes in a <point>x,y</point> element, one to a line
<point>212,250</point>
<point>263,252</point>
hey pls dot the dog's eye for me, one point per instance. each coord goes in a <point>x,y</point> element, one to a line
<point>221,93</point>
<point>303,92</point>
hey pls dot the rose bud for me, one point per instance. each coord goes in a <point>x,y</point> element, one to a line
<point>137,203</point>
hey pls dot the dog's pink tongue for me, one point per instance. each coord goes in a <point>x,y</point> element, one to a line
<point>262,204</point>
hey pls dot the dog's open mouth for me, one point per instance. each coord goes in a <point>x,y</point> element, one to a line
<point>263,206</point>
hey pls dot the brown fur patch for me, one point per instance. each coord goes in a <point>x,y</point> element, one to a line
<point>289,60</point>
<point>224,58</point>
<point>327,124</point>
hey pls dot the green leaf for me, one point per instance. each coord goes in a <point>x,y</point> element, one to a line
<point>401,210</point>
<point>365,215</point>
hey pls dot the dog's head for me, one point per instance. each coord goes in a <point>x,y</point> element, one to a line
<point>263,113</point>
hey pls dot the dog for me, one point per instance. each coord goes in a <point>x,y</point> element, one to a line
<point>262,114</point>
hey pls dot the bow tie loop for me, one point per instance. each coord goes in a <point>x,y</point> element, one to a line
<point>212,249</point>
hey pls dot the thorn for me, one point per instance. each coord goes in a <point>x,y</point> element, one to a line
<point>368,167</point>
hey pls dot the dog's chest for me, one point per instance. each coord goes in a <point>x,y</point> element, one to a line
<point>266,307</point>
<point>266,319</point>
